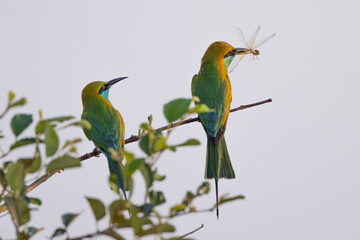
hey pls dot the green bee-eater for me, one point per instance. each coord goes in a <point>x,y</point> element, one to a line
<point>107,126</point>
<point>212,86</point>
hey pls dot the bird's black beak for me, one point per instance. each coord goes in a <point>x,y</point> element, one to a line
<point>240,51</point>
<point>112,82</point>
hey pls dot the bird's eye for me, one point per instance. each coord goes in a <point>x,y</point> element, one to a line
<point>102,89</point>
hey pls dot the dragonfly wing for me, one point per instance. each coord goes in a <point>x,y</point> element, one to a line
<point>242,37</point>
<point>235,62</point>
<point>264,40</point>
<point>253,37</point>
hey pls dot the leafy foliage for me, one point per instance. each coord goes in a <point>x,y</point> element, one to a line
<point>144,218</point>
<point>176,109</point>
<point>97,207</point>
<point>20,122</point>
<point>63,162</point>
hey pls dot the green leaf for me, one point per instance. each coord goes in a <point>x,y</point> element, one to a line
<point>136,222</point>
<point>63,162</point>
<point>188,198</point>
<point>18,208</point>
<point>31,231</point>
<point>82,123</point>
<point>157,229</point>
<point>23,210</point>
<point>21,236</point>
<point>97,207</point>
<point>113,184</point>
<point>129,156</point>
<point>157,198</point>
<point>177,208</point>
<point>204,188</point>
<point>148,142</point>
<point>160,144</point>
<point>51,140</point>
<point>71,142</point>
<point>144,145</point>
<point>157,176</point>
<point>116,210</point>
<point>11,96</point>
<point>147,174</point>
<point>15,176</point>
<point>73,150</point>
<point>35,201</point>
<point>134,165</point>
<point>176,109</point>
<point>144,126</point>
<point>201,108</point>
<point>41,126</point>
<point>5,165</point>
<point>58,232</point>
<point>111,233</point>
<point>60,119</point>
<point>177,238</point>
<point>20,102</point>
<point>68,218</point>
<point>150,119</point>
<point>190,142</point>
<point>23,142</point>
<point>223,200</point>
<point>3,179</point>
<point>36,163</point>
<point>20,122</point>
<point>26,162</point>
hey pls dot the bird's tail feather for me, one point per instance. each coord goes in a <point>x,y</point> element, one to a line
<point>217,198</point>
<point>218,164</point>
<point>115,168</point>
<point>226,169</point>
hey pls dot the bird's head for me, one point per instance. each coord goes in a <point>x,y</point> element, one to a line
<point>222,53</point>
<point>98,88</point>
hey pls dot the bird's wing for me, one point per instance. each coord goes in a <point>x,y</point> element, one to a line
<point>106,130</point>
<point>122,134</point>
<point>193,84</point>
<point>217,96</point>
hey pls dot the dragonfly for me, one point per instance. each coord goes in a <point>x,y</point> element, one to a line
<point>250,45</point>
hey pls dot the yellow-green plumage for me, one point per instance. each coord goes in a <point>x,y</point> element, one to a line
<point>107,126</point>
<point>212,86</point>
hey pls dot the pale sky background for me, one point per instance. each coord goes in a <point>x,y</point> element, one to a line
<point>296,159</point>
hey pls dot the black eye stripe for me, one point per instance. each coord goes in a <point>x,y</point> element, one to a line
<point>102,89</point>
<point>230,53</point>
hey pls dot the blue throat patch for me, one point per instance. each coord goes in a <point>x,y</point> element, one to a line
<point>227,61</point>
<point>105,94</point>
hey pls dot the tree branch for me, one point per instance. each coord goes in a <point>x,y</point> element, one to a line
<point>3,113</point>
<point>182,213</point>
<point>47,175</point>
<point>131,139</point>
<point>109,232</point>
<point>196,119</point>
<point>185,235</point>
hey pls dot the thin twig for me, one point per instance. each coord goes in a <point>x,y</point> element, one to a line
<point>5,111</point>
<point>131,139</point>
<point>95,234</point>
<point>185,235</point>
<point>47,175</point>
<point>188,212</point>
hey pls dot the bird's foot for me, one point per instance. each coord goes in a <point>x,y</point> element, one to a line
<point>97,152</point>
